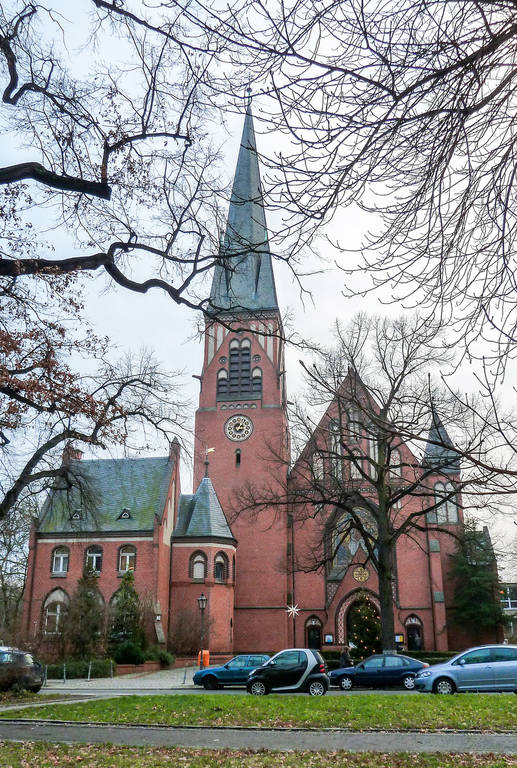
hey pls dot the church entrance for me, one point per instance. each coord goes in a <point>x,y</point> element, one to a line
<point>363,627</point>
<point>414,633</point>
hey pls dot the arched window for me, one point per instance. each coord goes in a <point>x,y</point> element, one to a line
<point>335,450</point>
<point>127,558</point>
<point>355,466</point>
<point>54,612</point>
<point>446,505</point>
<point>317,466</point>
<point>93,560</point>
<point>355,429</point>
<point>372,451</point>
<point>221,567</point>
<point>222,382</point>
<point>396,463</point>
<point>256,381</point>
<point>197,566</point>
<point>240,367</point>
<point>60,561</point>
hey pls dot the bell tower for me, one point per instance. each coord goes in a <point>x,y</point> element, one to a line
<point>242,409</point>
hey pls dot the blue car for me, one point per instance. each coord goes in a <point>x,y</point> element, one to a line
<point>485,668</point>
<point>378,671</point>
<point>234,672</point>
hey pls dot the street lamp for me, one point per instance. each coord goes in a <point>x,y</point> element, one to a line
<point>202,601</point>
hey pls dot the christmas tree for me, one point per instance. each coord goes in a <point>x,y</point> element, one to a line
<point>364,628</point>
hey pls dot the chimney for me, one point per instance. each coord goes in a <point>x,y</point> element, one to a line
<point>70,453</point>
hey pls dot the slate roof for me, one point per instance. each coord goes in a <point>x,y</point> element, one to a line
<point>201,515</point>
<point>108,486</point>
<point>244,279</point>
<point>440,451</point>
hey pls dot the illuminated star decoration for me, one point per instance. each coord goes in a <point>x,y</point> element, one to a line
<point>293,611</point>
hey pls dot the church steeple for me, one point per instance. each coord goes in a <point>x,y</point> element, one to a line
<point>243,278</point>
<point>440,451</point>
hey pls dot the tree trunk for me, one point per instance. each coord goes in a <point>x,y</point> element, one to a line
<point>385,573</point>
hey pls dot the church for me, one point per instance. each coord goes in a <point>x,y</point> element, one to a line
<point>181,546</point>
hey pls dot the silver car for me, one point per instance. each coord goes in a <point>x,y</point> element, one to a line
<point>485,668</point>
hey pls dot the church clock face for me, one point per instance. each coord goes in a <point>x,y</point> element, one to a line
<point>238,428</point>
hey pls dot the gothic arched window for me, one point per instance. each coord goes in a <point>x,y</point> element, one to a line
<point>446,502</point>
<point>335,450</point>
<point>54,612</point>
<point>197,566</point>
<point>221,567</point>
<point>222,382</point>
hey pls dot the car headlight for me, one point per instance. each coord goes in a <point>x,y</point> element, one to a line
<point>427,673</point>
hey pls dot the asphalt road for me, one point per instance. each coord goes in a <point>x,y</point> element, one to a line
<point>244,738</point>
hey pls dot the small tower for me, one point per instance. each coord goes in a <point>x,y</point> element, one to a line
<point>203,560</point>
<point>442,466</point>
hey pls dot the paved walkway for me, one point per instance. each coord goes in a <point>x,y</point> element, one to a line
<point>248,738</point>
<point>165,678</point>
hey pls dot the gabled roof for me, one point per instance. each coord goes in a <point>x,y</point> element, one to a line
<point>201,515</point>
<point>440,452</point>
<point>243,279</point>
<point>106,488</point>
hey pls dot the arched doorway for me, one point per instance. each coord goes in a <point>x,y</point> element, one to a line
<point>414,634</point>
<point>313,633</point>
<point>363,626</point>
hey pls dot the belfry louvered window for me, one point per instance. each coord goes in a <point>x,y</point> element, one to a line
<point>240,367</point>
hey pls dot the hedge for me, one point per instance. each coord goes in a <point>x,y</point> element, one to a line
<point>75,669</point>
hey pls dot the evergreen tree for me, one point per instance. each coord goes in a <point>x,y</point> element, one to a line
<point>85,619</point>
<point>364,628</point>
<point>126,615</point>
<point>477,588</point>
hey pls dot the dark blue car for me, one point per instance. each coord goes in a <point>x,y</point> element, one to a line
<point>379,670</point>
<point>234,672</point>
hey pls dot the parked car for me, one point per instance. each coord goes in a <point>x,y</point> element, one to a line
<point>379,670</point>
<point>292,670</point>
<point>484,668</point>
<point>19,668</point>
<point>234,672</point>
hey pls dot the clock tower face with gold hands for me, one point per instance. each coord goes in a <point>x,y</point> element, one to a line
<point>238,428</point>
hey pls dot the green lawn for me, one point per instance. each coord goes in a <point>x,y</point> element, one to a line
<point>463,712</point>
<point>104,756</point>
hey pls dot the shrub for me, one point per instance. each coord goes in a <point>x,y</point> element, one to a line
<point>128,653</point>
<point>79,669</point>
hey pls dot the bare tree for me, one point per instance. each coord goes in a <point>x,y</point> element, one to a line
<point>118,157</point>
<point>407,111</point>
<point>127,403</point>
<point>375,464</point>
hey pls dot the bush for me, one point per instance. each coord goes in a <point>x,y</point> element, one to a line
<point>128,653</point>
<point>159,654</point>
<point>79,669</point>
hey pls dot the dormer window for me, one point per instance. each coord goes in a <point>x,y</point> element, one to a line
<point>125,514</point>
<point>76,515</point>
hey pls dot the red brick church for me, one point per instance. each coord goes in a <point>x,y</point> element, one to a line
<point>130,513</point>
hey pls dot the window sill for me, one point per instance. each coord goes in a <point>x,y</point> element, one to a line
<point>120,574</point>
<point>59,575</point>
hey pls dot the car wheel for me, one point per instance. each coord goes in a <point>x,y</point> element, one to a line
<point>35,688</point>
<point>258,688</point>
<point>317,688</point>
<point>346,683</point>
<point>210,683</point>
<point>408,681</point>
<point>444,686</point>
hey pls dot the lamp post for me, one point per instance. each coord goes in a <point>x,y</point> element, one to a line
<point>202,601</point>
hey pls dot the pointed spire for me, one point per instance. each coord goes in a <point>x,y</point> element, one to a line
<point>440,451</point>
<point>243,280</point>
